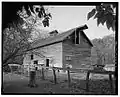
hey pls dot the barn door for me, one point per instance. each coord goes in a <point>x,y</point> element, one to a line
<point>47,62</point>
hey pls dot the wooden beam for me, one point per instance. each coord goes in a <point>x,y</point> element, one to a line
<point>75,36</point>
<point>79,37</point>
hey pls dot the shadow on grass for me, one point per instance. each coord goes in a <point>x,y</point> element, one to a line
<point>101,87</point>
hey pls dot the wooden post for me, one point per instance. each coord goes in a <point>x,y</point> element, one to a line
<point>115,84</point>
<point>87,81</point>
<point>43,77</point>
<point>111,84</point>
<point>54,74</point>
<point>69,81</point>
<point>11,70</point>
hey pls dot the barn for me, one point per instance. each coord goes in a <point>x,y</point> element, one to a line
<point>70,48</point>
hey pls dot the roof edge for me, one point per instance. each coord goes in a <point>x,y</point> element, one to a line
<point>43,45</point>
<point>83,27</point>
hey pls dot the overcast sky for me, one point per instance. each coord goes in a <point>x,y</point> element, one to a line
<point>65,18</point>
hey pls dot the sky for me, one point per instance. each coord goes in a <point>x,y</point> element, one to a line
<point>68,17</point>
<point>63,19</point>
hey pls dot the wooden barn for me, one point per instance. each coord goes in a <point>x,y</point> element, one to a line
<point>71,48</point>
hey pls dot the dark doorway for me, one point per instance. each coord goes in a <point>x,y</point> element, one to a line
<point>32,57</point>
<point>47,62</point>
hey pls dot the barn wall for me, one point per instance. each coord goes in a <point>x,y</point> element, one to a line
<point>52,52</point>
<point>84,43</point>
<point>80,53</point>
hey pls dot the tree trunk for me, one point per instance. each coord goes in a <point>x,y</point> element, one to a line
<point>10,57</point>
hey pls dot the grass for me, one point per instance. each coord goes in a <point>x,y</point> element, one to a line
<point>98,84</point>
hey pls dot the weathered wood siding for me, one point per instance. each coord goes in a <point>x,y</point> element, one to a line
<point>58,53</point>
<point>80,53</point>
<point>84,43</point>
<point>52,52</point>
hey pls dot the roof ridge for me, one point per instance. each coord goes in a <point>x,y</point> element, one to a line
<point>52,36</point>
<point>57,38</point>
<point>64,32</point>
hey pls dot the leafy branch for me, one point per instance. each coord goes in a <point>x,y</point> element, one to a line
<point>104,13</point>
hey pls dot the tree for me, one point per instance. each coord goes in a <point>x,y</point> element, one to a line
<point>16,37</point>
<point>104,49</point>
<point>15,40</point>
<point>104,13</point>
<point>33,20</point>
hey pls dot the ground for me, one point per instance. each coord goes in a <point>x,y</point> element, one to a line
<point>14,83</point>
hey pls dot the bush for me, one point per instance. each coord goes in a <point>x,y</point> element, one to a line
<point>6,69</point>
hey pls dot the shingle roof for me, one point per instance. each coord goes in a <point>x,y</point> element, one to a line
<point>58,38</point>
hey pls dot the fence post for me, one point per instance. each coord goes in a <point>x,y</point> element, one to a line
<point>87,81</point>
<point>54,74</point>
<point>69,81</point>
<point>110,81</point>
<point>43,77</point>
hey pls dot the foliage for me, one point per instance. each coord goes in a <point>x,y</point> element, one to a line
<point>104,48</point>
<point>35,19</point>
<point>15,41</point>
<point>104,13</point>
<point>37,16</point>
<point>16,37</point>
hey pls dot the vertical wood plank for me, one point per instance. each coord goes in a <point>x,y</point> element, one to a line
<point>43,76</point>
<point>111,84</point>
<point>54,75</point>
<point>69,81</point>
<point>87,81</point>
